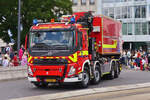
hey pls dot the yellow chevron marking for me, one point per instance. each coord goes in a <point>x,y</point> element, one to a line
<point>29,58</point>
<point>74,58</point>
<point>69,62</point>
<point>110,46</point>
<point>83,53</point>
<point>63,57</point>
<point>31,62</point>
<point>35,57</point>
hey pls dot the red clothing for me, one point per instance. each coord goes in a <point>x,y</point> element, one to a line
<point>138,55</point>
<point>20,54</point>
<point>141,66</point>
<point>15,61</point>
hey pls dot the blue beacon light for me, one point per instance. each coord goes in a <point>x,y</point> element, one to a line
<point>35,21</point>
<point>72,20</point>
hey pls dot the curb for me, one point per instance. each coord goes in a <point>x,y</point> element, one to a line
<point>84,92</point>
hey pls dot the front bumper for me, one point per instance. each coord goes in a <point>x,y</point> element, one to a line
<point>32,79</point>
<point>44,73</point>
<point>67,80</point>
<point>74,79</point>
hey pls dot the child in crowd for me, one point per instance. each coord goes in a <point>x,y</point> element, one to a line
<point>15,60</point>
<point>5,62</point>
<point>24,59</point>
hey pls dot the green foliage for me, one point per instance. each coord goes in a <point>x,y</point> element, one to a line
<point>30,9</point>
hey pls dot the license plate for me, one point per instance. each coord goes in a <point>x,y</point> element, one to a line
<point>50,80</point>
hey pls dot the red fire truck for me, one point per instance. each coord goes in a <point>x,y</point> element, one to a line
<point>82,50</point>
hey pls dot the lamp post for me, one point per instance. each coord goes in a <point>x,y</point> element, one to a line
<point>19,16</point>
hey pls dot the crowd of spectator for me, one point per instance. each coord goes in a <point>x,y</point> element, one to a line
<point>11,58</point>
<point>133,59</point>
<point>136,59</point>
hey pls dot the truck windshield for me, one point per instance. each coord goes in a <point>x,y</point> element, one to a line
<point>52,39</point>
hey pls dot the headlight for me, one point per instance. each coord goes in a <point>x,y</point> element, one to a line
<point>30,71</point>
<point>72,71</point>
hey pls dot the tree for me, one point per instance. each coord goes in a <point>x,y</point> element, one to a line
<point>30,9</point>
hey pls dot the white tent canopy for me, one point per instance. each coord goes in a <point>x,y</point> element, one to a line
<point>2,43</point>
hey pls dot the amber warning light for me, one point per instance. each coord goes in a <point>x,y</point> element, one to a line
<point>52,20</point>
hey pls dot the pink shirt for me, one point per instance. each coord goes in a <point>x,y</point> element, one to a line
<point>20,54</point>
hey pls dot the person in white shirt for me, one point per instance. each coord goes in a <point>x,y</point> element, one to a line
<point>5,62</point>
<point>128,57</point>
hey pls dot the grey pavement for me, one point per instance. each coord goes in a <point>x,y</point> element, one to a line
<point>22,88</point>
<point>97,93</point>
<point>129,94</point>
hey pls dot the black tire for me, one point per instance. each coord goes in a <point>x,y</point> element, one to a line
<point>61,84</point>
<point>85,78</point>
<point>112,72</point>
<point>97,75</point>
<point>116,70</point>
<point>116,74</point>
<point>40,85</point>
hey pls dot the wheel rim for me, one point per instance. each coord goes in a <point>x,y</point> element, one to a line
<point>97,75</point>
<point>112,73</point>
<point>85,78</point>
<point>117,71</point>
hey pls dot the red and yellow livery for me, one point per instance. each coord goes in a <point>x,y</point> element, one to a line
<point>82,50</point>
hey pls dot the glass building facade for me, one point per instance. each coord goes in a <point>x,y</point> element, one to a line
<point>134,15</point>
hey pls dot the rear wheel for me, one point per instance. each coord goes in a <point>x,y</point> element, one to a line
<point>116,70</point>
<point>85,78</point>
<point>40,84</point>
<point>112,72</point>
<point>97,75</point>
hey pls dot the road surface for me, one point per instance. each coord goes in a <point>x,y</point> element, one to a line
<point>23,88</point>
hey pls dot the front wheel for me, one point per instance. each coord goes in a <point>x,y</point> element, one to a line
<point>85,78</point>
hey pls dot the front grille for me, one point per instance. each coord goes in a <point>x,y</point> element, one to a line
<point>50,61</point>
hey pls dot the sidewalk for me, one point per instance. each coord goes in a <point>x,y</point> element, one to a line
<point>123,92</point>
<point>10,73</point>
<point>133,94</point>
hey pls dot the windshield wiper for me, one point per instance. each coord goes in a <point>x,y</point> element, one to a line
<point>40,46</point>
